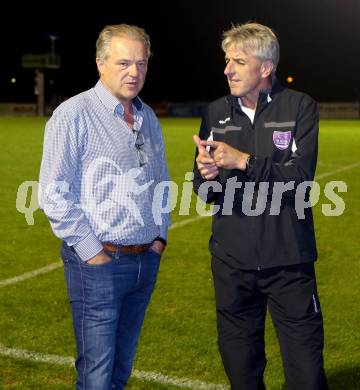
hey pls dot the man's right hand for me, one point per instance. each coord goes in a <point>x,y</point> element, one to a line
<point>101,258</point>
<point>205,163</point>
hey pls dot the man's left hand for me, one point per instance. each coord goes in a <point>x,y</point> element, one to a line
<point>158,247</point>
<point>227,157</point>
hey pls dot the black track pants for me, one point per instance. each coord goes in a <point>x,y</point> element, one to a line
<point>242,298</point>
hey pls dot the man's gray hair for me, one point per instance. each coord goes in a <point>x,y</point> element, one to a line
<point>123,30</point>
<point>256,37</point>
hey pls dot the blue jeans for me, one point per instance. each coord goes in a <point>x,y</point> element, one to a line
<point>108,307</point>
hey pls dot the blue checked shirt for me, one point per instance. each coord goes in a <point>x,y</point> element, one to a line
<point>93,187</point>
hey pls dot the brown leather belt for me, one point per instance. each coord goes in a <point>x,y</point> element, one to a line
<point>133,249</point>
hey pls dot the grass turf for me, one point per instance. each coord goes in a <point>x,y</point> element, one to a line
<point>179,334</point>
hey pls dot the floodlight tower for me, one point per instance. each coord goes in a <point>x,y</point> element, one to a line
<point>41,62</point>
<point>52,60</point>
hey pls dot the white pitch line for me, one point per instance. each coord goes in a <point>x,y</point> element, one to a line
<point>142,375</point>
<point>24,354</point>
<point>149,376</point>
<point>179,382</point>
<point>185,222</point>
<point>58,264</point>
<point>341,169</point>
<point>31,274</point>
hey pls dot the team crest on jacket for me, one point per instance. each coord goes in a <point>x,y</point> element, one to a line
<point>282,139</point>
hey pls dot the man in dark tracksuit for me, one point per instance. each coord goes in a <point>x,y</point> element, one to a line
<point>256,154</point>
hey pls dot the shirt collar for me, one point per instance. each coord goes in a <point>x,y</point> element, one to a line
<point>265,92</point>
<point>111,102</point>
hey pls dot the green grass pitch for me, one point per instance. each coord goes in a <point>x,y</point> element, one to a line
<point>179,334</point>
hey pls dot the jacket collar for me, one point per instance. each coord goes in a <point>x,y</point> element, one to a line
<point>276,87</point>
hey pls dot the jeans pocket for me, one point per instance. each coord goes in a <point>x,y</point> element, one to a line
<point>154,252</point>
<point>102,265</point>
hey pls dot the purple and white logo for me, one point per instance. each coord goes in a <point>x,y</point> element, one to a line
<point>282,139</point>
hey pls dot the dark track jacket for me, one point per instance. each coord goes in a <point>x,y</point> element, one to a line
<point>284,140</point>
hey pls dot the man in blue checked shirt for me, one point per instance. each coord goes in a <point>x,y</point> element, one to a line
<point>102,160</point>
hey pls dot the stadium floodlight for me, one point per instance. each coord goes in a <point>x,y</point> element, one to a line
<point>53,58</point>
<point>39,91</point>
<point>41,62</point>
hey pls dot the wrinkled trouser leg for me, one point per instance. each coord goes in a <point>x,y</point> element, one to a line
<point>295,309</point>
<point>241,311</point>
<point>108,306</point>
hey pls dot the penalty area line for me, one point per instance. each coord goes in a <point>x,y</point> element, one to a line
<point>185,222</point>
<point>148,376</point>
<point>340,169</point>
<point>31,274</point>
<point>58,264</point>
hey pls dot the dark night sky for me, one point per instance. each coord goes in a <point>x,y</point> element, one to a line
<point>319,41</point>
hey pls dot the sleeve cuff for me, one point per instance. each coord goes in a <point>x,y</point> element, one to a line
<point>89,247</point>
